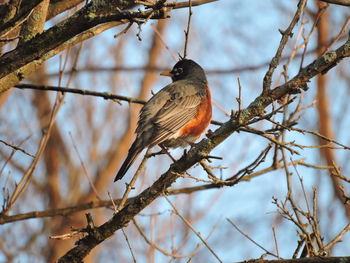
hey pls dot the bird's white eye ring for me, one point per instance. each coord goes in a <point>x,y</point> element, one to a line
<point>178,71</point>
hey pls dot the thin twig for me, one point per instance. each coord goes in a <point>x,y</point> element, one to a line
<point>163,251</point>
<point>316,133</point>
<point>130,185</point>
<point>221,108</point>
<point>337,238</point>
<point>171,52</point>
<point>311,217</point>
<point>129,246</point>
<point>112,201</point>
<point>15,22</point>
<point>250,167</point>
<point>249,238</point>
<point>314,224</point>
<point>239,99</point>
<point>338,2</point>
<point>269,115</point>
<point>208,171</point>
<point>9,39</point>
<point>21,186</point>
<point>342,32</point>
<point>84,168</point>
<point>302,187</point>
<point>105,95</point>
<point>312,30</point>
<point>285,36</point>
<point>187,31</point>
<point>336,172</point>
<point>17,148</point>
<point>276,243</point>
<point>270,138</point>
<point>316,166</point>
<point>193,230</point>
<point>124,30</point>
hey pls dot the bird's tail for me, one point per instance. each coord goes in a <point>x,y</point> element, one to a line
<point>134,151</point>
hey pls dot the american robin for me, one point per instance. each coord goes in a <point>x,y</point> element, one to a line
<point>176,116</point>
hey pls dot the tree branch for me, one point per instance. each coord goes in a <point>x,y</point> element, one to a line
<point>84,19</point>
<point>105,95</point>
<point>4,219</point>
<point>201,150</point>
<point>303,260</point>
<point>22,15</point>
<point>285,36</point>
<point>338,2</point>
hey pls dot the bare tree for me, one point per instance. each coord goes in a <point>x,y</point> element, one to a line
<point>279,122</point>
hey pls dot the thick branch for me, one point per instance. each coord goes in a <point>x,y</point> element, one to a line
<point>320,66</point>
<point>19,18</point>
<point>83,20</point>
<point>55,36</point>
<point>22,73</point>
<point>200,150</point>
<point>59,6</point>
<point>285,36</point>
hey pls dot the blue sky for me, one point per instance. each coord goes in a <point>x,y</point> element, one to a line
<point>225,34</point>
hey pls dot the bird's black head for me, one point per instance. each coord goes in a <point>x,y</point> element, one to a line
<point>186,69</point>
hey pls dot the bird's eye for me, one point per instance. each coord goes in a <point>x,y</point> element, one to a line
<point>178,71</point>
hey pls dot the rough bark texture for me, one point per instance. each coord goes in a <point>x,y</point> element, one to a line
<point>52,38</point>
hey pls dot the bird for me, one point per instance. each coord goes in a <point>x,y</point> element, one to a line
<point>176,116</point>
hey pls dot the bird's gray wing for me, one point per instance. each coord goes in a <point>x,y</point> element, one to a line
<point>168,111</point>
<point>173,116</point>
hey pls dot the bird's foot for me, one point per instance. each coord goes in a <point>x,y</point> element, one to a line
<point>155,153</point>
<point>209,134</point>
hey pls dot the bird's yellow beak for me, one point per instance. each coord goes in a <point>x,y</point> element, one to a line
<point>167,73</point>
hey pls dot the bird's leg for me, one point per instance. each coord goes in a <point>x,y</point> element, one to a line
<point>165,150</point>
<point>209,157</point>
<point>209,134</point>
<point>155,153</point>
<point>192,144</point>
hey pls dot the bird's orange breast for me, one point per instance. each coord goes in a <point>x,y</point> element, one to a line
<point>198,125</point>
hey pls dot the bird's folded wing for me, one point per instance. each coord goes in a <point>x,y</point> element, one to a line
<point>174,115</point>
